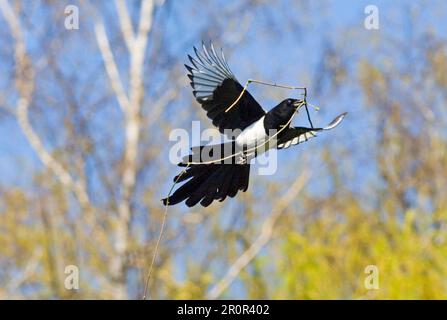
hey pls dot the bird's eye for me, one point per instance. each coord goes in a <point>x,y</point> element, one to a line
<point>289,101</point>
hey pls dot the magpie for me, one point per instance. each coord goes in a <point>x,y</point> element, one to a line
<point>214,172</point>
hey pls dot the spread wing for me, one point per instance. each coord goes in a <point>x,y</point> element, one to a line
<point>216,89</point>
<point>296,135</point>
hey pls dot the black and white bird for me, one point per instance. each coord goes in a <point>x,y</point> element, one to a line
<point>215,172</point>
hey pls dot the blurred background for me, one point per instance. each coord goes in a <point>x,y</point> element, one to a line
<point>85,117</point>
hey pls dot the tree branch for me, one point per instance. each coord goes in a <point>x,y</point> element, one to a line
<point>25,87</point>
<point>111,68</point>
<point>125,23</point>
<point>131,106</point>
<point>28,271</point>
<point>261,241</point>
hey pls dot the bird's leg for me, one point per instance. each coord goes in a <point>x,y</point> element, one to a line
<point>246,155</point>
<point>243,158</point>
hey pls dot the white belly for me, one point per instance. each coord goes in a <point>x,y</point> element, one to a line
<point>252,136</point>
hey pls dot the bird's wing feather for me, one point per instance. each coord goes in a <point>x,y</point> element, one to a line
<point>296,135</point>
<point>216,88</point>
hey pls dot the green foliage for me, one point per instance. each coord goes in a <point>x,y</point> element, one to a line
<point>328,259</point>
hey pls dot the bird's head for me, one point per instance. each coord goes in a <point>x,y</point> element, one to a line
<point>288,106</point>
<point>282,113</point>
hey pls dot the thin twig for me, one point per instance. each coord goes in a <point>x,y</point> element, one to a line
<point>271,84</point>
<point>163,223</point>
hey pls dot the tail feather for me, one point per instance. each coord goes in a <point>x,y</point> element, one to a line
<point>208,182</point>
<point>243,182</point>
<point>234,186</point>
<point>185,175</point>
<point>206,189</point>
<point>205,180</point>
<point>186,189</point>
<point>225,186</point>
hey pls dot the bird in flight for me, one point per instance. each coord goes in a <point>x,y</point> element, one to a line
<point>214,172</point>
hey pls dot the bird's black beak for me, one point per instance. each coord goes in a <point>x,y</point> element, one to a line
<point>298,103</point>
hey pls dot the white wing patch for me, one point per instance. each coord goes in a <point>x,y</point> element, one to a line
<point>298,139</point>
<point>312,133</point>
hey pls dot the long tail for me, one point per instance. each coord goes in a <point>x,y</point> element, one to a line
<point>208,182</point>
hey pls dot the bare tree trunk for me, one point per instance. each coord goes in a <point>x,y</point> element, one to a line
<point>130,104</point>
